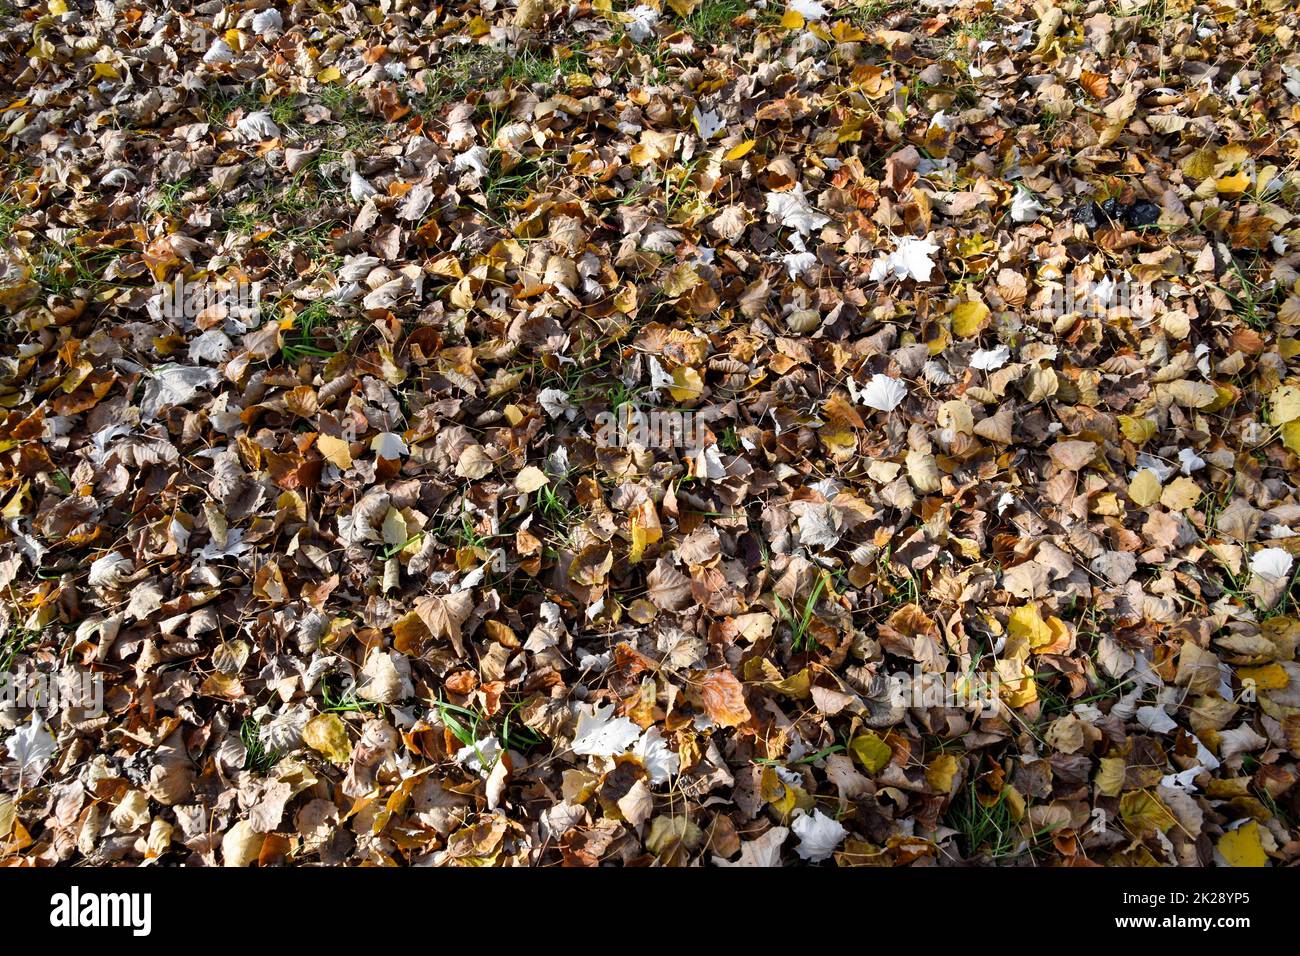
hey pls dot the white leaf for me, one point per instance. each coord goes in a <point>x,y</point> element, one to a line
<point>659,377</point>
<point>911,258</point>
<point>110,570</point>
<point>173,384</point>
<point>1147,462</point>
<point>415,203</point>
<point>1024,207</point>
<point>219,52</point>
<point>1155,719</point>
<point>797,263</point>
<point>357,268</point>
<point>600,734</point>
<point>460,129</point>
<point>708,464</point>
<point>267,22</point>
<point>389,445</point>
<point>659,761</point>
<point>1190,461</point>
<point>359,189</point>
<point>762,851</point>
<point>1292,84</point>
<point>1272,564</point>
<point>554,402</point>
<point>233,547</point>
<point>808,9</point>
<point>1239,740</point>
<point>32,747</point>
<point>480,756</point>
<point>641,22</point>
<point>212,346</point>
<point>818,835</point>
<point>284,731</point>
<point>791,209</point>
<point>708,125</point>
<point>819,527</point>
<point>256,127</point>
<point>941,120</point>
<point>473,160</point>
<point>988,360</point>
<point>883,393</point>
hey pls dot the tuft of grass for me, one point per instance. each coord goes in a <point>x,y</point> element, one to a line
<point>503,186</point>
<point>711,21</point>
<point>552,506</point>
<point>1252,301</point>
<point>902,589</point>
<point>60,268</point>
<point>528,67</point>
<point>340,697</point>
<point>312,327</point>
<point>459,71</point>
<point>871,12</point>
<point>217,104</point>
<point>801,626</point>
<point>10,212</point>
<point>257,757</point>
<point>470,726</point>
<point>981,28</point>
<point>14,642</point>
<point>989,833</point>
<point>169,199</point>
<point>1290,598</point>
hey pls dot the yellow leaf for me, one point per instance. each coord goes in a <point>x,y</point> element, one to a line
<point>688,384</point>
<point>1200,164</point>
<point>783,798</point>
<point>1144,489</point>
<point>1268,677</point>
<point>326,734</point>
<point>1284,404</point>
<point>1242,846</point>
<point>106,71</point>
<point>1110,776</point>
<point>16,506</point>
<point>1026,630</point>
<point>58,7</point>
<point>939,775</point>
<point>530,479</point>
<point>792,20</point>
<point>637,547</point>
<point>797,685</point>
<point>1223,397</point>
<point>328,75</point>
<point>1137,430</point>
<point>1233,185</point>
<point>394,530</point>
<point>1018,687</point>
<point>1181,493</point>
<point>740,150</point>
<point>1291,436</point>
<point>336,450</point>
<point>870,751</point>
<point>1144,814</point>
<point>969,319</point>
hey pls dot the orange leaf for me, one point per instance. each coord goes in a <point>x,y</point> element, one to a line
<point>1097,85</point>
<point>724,699</point>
